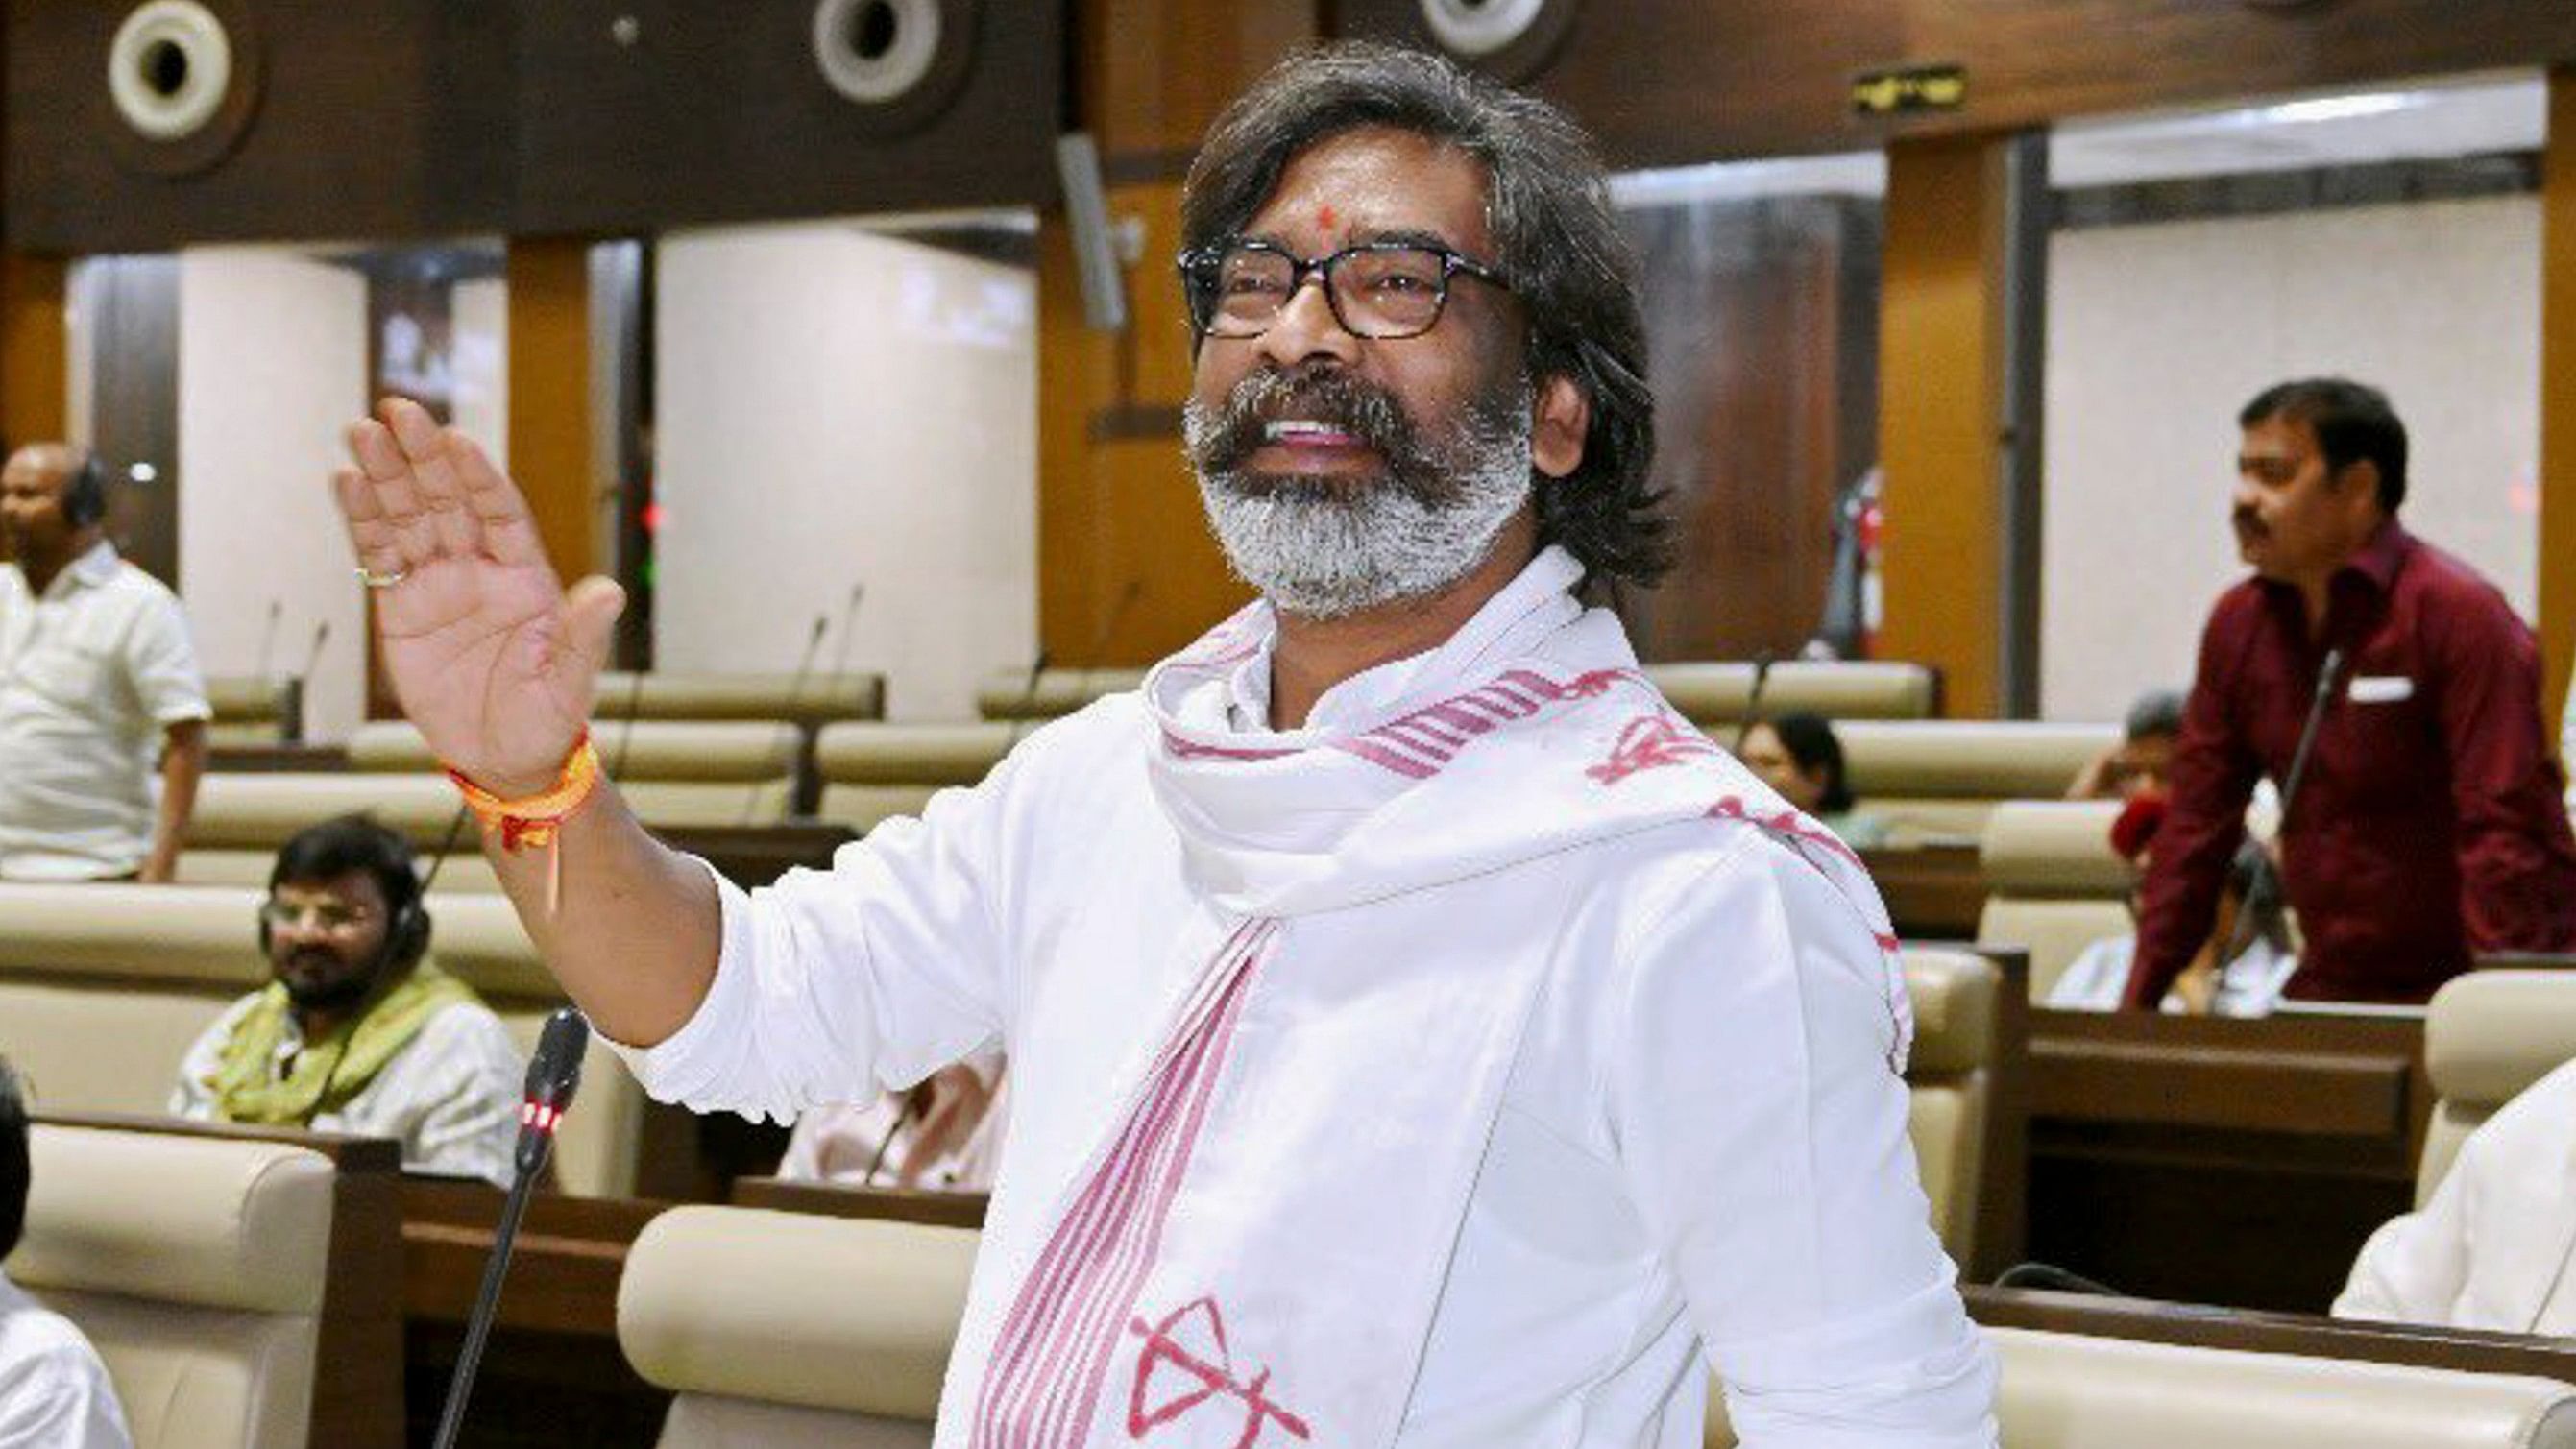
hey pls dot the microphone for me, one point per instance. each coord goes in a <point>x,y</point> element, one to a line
<point>2259,890</point>
<point>313,651</point>
<point>1753,698</point>
<point>267,639</point>
<point>1029,695</point>
<point>795,696</point>
<point>849,612</point>
<point>554,1072</point>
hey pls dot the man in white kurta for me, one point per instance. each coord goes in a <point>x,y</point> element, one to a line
<point>1690,1135</point>
<point>2495,1246</point>
<point>1419,1035</point>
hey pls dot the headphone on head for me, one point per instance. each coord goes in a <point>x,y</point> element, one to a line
<point>85,493</point>
<point>406,934</point>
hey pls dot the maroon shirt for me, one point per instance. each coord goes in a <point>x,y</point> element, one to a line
<point>2432,822</point>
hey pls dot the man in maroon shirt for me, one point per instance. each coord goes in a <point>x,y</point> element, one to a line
<point>2430,824</point>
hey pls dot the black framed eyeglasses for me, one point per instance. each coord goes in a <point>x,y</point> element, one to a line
<point>1380,290</point>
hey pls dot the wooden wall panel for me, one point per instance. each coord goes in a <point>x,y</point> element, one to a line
<point>1940,369</point>
<point>1762,325</point>
<point>1665,82</point>
<point>550,428</point>
<point>2558,397</point>
<point>718,112</point>
<point>34,346</point>
<point>1127,571</point>
<point>375,119</point>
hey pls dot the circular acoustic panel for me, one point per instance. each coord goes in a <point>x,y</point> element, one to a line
<point>1512,40</point>
<point>182,81</point>
<point>897,62</point>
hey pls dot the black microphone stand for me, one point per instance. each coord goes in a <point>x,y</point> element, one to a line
<point>553,1075</point>
<point>2258,900</point>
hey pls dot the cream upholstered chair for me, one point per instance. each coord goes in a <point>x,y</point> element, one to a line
<point>1951,1085</point>
<point>1940,779</point>
<point>242,818</point>
<point>782,1330</point>
<point>103,987</point>
<point>2487,1036</point>
<point>2067,1391</point>
<point>872,771</point>
<point>249,710</point>
<point>1011,694</point>
<point>2053,883</point>
<point>810,699</point>
<point>671,772</point>
<point>198,1268</point>
<point>1711,693</point>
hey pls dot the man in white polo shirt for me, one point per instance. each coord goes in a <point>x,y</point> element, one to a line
<point>102,710</point>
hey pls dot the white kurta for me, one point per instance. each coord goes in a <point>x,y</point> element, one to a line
<point>54,1392</point>
<point>1697,1141</point>
<point>450,1096</point>
<point>2495,1247</point>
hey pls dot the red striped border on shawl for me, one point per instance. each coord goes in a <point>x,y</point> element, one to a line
<point>1042,1381</point>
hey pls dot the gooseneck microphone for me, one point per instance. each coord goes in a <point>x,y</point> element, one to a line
<point>849,616</point>
<point>2258,900</point>
<point>554,1073</point>
<point>1753,700</point>
<point>795,699</point>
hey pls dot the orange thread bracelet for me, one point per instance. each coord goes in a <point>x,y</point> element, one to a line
<point>532,820</point>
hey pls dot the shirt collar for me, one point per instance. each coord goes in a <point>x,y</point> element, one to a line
<point>2378,559</point>
<point>91,569</point>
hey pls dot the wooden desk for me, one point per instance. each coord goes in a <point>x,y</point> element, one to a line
<point>2200,1326</point>
<point>888,1204</point>
<point>275,759</point>
<point>2239,1162</point>
<point>755,855</point>
<point>1933,892</point>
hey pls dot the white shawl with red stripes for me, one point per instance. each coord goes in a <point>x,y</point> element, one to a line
<point>1232,1268</point>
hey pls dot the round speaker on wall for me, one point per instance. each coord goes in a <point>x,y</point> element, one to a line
<point>899,62</point>
<point>1512,39</point>
<point>183,76</point>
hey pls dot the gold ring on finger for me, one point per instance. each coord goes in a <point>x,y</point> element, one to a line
<point>382,581</point>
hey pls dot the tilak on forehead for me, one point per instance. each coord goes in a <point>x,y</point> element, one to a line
<point>1326,217</point>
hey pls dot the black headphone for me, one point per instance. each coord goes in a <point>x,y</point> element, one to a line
<point>85,493</point>
<point>406,935</point>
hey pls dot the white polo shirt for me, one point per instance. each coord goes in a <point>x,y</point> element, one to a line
<point>92,673</point>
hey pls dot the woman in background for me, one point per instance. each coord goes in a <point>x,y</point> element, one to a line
<point>1797,755</point>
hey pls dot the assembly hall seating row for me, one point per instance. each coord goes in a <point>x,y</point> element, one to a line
<point>1706,693</point>
<point>103,987</point>
<point>250,710</point>
<point>746,1316</point>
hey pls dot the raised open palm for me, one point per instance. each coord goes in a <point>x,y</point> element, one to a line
<point>491,658</point>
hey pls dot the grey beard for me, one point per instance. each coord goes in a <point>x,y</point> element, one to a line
<point>1328,550</point>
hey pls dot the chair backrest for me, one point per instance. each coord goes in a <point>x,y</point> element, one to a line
<point>872,771</point>
<point>196,1267</point>
<point>1011,694</point>
<point>790,1330</point>
<point>2487,1036</point>
<point>1715,693</point>
<point>103,987</point>
<point>2053,883</point>
<point>815,699</point>
<point>247,709</point>
<point>671,772</point>
<point>2068,1391</point>
<point>1940,779</point>
<point>1950,1083</point>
